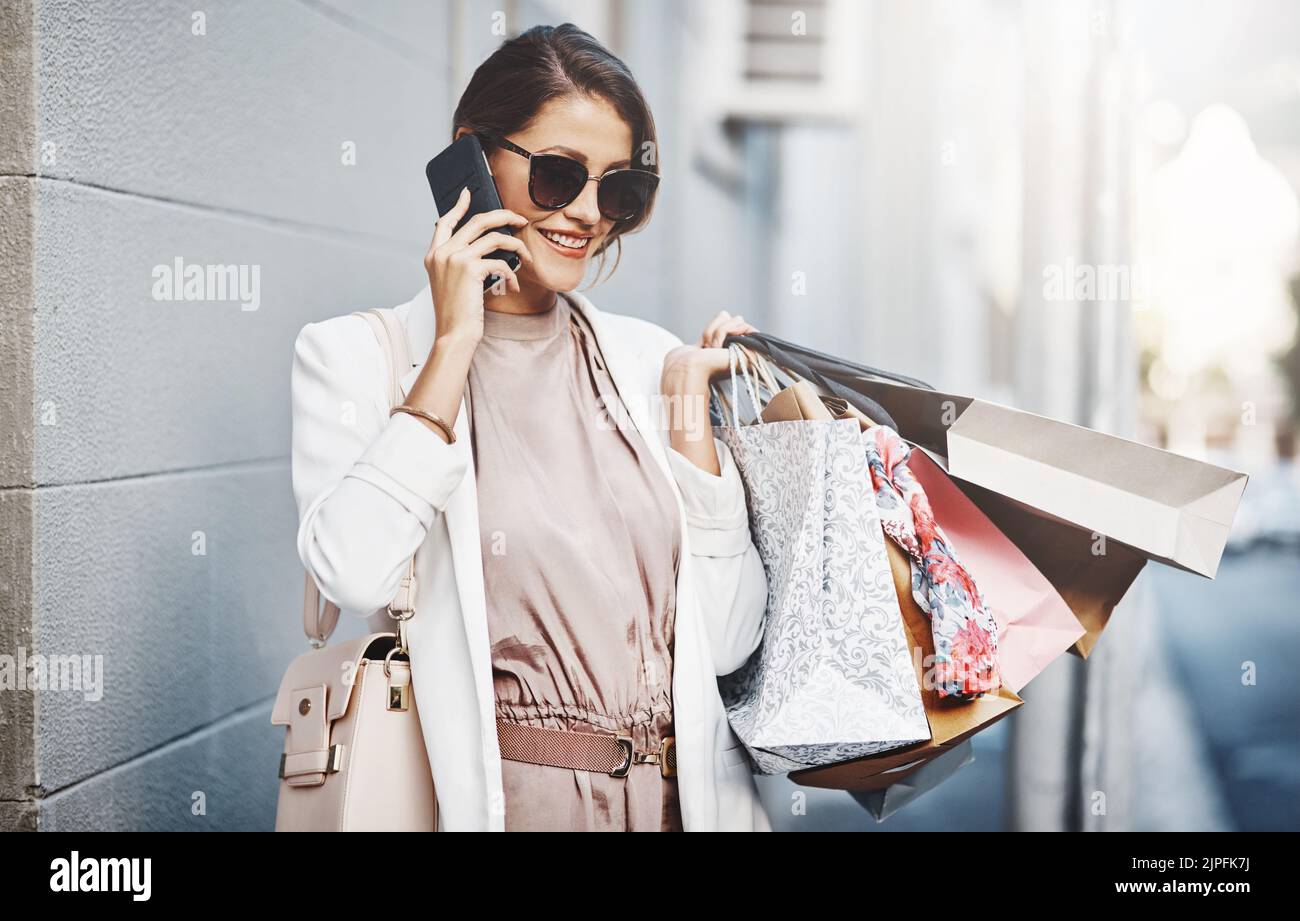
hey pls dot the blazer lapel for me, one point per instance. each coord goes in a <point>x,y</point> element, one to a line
<point>461,513</point>
<point>417,316</point>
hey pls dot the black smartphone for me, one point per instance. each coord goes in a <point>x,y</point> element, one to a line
<point>464,165</point>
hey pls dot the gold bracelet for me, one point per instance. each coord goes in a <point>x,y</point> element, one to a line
<point>432,417</point>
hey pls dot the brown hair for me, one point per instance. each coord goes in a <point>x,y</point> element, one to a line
<point>551,62</point>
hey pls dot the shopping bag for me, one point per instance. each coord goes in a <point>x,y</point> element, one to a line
<point>951,722</point>
<point>1173,509</point>
<point>1088,509</point>
<point>832,679</point>
<point>891,791</point>
<point>1035,625</point>
<point>1091,575</point>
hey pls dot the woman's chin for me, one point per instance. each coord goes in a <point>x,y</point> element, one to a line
<point>562,278</point>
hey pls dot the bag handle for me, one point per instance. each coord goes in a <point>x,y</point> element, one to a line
<point>739,357</point>
<point>318,624</point>
<point>809,364</point>
<point>777,349</point>
<point>736,357</point>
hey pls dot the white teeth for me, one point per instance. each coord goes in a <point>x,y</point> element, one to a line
<point>564,240</point>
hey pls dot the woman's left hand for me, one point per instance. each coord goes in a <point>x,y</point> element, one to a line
<point>687,371</point>
<point>689,368</point>
<point>722,326</point>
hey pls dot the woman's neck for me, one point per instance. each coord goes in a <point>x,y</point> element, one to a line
<point>532,298</point>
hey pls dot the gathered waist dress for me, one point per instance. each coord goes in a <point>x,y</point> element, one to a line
<point>581,545</point>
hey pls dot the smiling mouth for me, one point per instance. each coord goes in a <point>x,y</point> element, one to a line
<point>566,244</point>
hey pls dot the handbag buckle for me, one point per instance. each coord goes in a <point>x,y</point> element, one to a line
<point>399,695</point>
<point>402,608</point>
<point>403,604</point>
<point>333,761</point>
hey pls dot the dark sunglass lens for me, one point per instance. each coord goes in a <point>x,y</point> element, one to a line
<point>626,193</point>
<point>555,181</point>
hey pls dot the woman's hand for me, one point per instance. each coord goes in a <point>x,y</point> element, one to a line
<point>722,326</point>
<point>684,382</point>
<point>689,368</point>
<point>458,265</point>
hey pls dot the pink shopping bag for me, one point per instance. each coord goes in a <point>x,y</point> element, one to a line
<point>1035,625</point>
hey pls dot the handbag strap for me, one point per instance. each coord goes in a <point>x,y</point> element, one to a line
<point>318,624</point>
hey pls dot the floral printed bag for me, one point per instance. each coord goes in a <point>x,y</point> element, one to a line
<point>965,632</point>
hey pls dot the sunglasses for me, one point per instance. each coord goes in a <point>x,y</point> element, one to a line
<point>555,181</point>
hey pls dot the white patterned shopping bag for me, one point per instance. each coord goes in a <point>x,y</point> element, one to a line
<point>833,679</point>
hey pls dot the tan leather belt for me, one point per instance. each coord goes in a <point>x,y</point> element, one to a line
<point>605,753</point>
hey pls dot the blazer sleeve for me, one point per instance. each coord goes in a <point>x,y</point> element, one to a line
<point>730,581</point>
<point>368,487</point>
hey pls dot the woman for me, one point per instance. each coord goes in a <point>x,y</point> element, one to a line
<point>584,562</point>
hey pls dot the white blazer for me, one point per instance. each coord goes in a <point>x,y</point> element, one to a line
<point>372,490</point>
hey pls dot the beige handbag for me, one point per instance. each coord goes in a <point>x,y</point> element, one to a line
<point>354,756</point>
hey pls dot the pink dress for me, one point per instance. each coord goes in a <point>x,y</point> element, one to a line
<point>581,545</point>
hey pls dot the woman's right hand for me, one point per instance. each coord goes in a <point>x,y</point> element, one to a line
<point>458,266</point>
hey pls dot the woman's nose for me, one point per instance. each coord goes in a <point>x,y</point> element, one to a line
<point>585,208</point>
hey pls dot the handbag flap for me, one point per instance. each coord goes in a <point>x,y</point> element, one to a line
<point>329,667</point>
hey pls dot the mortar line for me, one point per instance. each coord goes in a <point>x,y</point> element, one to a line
<point>274,460</point>
<point>198,732</point>
<point>369,239</point>
<point>411,53</point>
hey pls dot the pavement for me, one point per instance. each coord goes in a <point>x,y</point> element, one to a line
<point>1231,641</point>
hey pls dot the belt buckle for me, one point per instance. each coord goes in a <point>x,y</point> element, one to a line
<point>665,757</point>
<point>667,760</point>
<point>629,751</point>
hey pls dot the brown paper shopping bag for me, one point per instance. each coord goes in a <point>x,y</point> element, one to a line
<point>1088,509</point>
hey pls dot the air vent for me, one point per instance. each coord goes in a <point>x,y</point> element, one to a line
<point>782,59</point>
<point>785,41</point>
